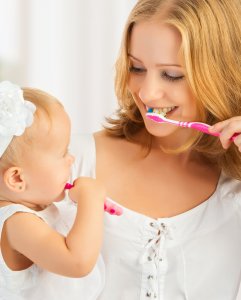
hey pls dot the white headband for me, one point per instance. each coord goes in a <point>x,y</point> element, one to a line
<point>15,113</point>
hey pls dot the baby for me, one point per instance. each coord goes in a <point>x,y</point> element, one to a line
<point>38,252</point>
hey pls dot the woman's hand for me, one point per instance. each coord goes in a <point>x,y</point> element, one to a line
<point>227,129</point>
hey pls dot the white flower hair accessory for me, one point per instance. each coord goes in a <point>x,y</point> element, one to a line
<point>15,113</point>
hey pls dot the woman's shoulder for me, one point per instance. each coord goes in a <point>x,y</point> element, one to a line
<point>86,147</point>
<point>109,143</point>
<point>103,136</point>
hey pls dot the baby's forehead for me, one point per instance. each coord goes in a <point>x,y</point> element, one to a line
<point>45,124</point>
<point>46,115</point>
<point>42,122</point>
<point>49,134</point>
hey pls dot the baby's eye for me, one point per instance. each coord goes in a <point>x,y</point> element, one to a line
<point>136,70</point>
<point>171,75</point>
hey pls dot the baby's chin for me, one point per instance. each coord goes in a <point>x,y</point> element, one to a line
<point>60,197</point>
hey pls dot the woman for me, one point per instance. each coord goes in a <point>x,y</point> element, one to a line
<point>179,235</point>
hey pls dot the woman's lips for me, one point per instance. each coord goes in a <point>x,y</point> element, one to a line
<point>167,114</point>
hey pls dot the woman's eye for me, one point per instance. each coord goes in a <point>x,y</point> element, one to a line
<point>138,70</point>
<point>171,76</point>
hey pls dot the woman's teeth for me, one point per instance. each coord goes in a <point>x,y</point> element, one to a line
<point>161,111</point>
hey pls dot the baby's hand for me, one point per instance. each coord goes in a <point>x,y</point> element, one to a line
<point>109,207</point>
<point>87,188</point>
<point>227,129</point>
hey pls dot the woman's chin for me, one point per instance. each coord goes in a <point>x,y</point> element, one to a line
<point>161,130</point>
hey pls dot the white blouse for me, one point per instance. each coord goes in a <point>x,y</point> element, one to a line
<point>195,255</point>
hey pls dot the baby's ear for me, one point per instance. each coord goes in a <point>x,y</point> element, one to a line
<point>14,179</point>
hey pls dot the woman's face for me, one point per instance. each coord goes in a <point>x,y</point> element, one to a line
<point>157,76</point>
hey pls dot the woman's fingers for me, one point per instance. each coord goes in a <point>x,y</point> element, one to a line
<point>227,130</point>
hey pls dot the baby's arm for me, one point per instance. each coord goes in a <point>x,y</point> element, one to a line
<point>74,255</point>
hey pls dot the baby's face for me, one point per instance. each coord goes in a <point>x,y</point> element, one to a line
<point>48,163</point>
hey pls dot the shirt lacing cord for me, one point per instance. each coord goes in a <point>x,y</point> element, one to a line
<point>154,250</point>
<point>154,253</point>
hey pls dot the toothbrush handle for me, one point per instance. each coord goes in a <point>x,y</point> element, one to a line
<point>112,209</point>
<point>204,128</point>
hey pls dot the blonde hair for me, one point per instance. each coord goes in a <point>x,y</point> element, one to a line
<point>45,103</point>
<point>211,48</point>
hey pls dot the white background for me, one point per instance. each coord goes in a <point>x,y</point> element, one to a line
<point>67,48</point>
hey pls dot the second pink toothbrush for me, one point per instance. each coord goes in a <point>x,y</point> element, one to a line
<point>109,207</point>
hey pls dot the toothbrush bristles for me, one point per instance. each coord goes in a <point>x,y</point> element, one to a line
<point>161,114</point>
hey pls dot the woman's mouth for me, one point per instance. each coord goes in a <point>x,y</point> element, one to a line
<point>163,111</point>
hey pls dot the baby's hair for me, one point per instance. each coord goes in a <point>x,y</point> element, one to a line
<point>211,48</point>
<point>45,105</point>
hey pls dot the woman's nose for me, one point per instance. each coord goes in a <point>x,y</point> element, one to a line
<point>151,89</point>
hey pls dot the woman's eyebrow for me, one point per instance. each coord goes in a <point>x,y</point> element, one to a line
<point>132,56</point>
<point>159,64</point>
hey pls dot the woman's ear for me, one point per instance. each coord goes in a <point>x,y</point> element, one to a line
<point>14,179</point>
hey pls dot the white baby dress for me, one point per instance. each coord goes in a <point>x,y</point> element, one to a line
<point>37,284</point>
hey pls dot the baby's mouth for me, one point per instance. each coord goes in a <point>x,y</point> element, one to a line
<point>163,111</point>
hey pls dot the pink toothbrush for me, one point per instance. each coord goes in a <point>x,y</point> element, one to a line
<point>195,125</point>
<point>109,207</point>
